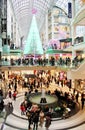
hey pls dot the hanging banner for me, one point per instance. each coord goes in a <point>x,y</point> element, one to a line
<point>69,10</point>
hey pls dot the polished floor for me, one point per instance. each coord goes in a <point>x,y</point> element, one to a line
<point>15,121</point>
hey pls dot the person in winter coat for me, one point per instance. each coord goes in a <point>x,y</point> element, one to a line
<point>14,95</point>
<point>35,120</point>
<point>47,122</point>
<point>30,119</point>
<point>41,115</point>
<point>22,108</point>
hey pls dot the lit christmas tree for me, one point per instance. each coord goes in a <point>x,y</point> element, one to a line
<point>33,45</point>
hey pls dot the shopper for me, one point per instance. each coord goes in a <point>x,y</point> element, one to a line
<point>22,108</point>
<point>41,115</point>
<point>35,120</point>
<point>82,102</point>
<point>30,119</point>
<point>48,121</point>
<point>77,96</point>
<point>14,95</point>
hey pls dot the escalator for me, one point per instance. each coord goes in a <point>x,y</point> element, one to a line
<point>77,72</point>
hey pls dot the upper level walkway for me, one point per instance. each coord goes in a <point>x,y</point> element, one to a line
<point>19,68</point>
<point>40,64</point>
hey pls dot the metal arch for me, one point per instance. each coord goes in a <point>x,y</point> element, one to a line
<point>46,3</point>
<point>20,8</point>
<point>62,4</point>
<point>41,6</point>
<point>26,27</point>
<point>61,9</point>
<point>41,3</point>
<point>25,15</point>
<point>23,8</point>
<point>28,9</point>
<point>25,4</point>
<point>20,1</point>
<point>21,13</point>
<point>40,11</point>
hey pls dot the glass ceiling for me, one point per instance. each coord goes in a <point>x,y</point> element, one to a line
<point>23,10</point>
<point>63,4</point>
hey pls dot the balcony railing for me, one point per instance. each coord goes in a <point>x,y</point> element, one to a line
<point>63,63</point>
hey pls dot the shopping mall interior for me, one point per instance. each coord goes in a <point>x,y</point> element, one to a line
<point>42,64</point>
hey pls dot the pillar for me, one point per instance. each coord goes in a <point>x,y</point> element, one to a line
<point>73,29</point>
<point>46,25</point>
<point>0,31</point>
<point>52,25</point>
<point>73,34</point>
<point>6,48</point>
<point>73,8</point>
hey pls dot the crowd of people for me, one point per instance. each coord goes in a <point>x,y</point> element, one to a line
<point>44,61</point>
<point>37,115</point>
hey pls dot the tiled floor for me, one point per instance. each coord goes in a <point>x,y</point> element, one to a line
<point>15,122</point>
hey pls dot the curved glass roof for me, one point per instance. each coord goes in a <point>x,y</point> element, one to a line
<point>63,4</point>
<point>23,10</point>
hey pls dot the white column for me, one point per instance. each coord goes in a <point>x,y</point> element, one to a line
<point>52,26</point>
<point>46,25</point>
<point>73,30</point>
<point>73,35</point>
<point>73,27</point>
<point>73,8</point>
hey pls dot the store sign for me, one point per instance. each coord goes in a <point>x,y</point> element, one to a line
<point>69,10</point>
<point>65,43</point>
<point>78,40</point>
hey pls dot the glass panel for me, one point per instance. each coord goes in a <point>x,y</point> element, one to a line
<point>79,4</point>
<point>23,11</point>
<point>63,4</point>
